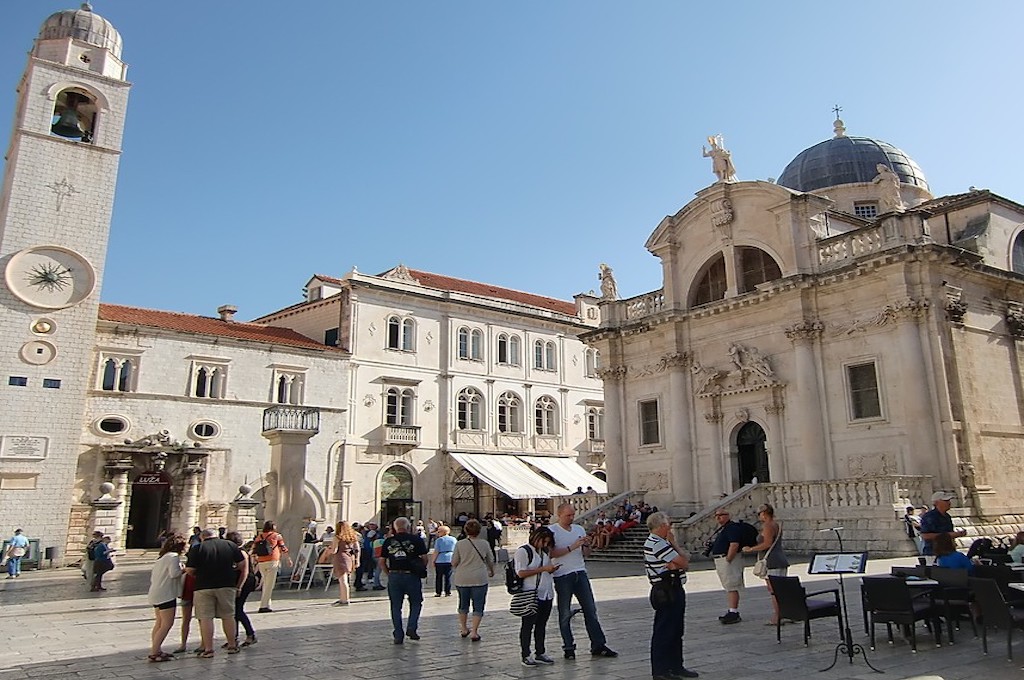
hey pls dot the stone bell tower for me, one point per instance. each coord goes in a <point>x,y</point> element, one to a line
<point>58,192</point>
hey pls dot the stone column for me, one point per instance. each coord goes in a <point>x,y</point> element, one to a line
<point>714,418</point>
<point>813,463</point>
<point>346,500</point>
<point>614,446</point>
<point>190,499</point>
<point>118,470</point>
<point>921,446</point>
<point>289,429</point>
<point>679,441</point>
<point>778,464</point>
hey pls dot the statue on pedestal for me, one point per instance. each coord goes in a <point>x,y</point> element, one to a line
<point>609,289</point>
<point>721,159</point>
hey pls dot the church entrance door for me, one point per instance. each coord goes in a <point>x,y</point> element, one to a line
<point>753,457</point>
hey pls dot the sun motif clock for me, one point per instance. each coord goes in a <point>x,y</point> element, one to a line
<point>50,277</point>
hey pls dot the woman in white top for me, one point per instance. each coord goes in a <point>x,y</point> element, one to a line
<point>164,589</point>
<point>535,568</point>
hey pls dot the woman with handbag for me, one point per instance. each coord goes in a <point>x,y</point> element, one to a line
<point>533,565</point>
<point>773,562</point>
<point>104,562</point>
<point>164,589</point>
<point>345,558</point>
<point>473,567</point>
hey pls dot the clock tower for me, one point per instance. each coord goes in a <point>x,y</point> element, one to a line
<point>55,208</point>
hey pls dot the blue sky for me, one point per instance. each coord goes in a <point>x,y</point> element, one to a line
<point>517,143</point>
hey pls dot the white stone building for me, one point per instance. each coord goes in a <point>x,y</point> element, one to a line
<point>841,336</point>
<point>459,393</point>
<point>405,393</point>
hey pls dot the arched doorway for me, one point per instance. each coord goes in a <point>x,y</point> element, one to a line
<point>396,495</point>
<point>150,511</point>
<point>464,494</point>
<point>751,454</point>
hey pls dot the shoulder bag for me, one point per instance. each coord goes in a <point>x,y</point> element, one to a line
<point>760,569</point>
<point>524,603</point>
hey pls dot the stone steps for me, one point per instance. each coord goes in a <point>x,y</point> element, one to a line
<point>628,548</point>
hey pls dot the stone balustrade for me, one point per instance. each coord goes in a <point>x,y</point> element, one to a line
<point>843,247</point>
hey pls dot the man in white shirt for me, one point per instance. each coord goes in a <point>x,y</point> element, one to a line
<point>572,580</point>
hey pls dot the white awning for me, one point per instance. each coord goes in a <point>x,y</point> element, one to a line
<point>509,475</point>
<point>568,472</point>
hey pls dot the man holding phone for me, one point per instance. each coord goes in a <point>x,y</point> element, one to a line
<point>571,541</point>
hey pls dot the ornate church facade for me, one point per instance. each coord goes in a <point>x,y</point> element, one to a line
<point>837,327</point>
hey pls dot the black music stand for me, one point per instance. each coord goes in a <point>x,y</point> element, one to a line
<point>842,563</point>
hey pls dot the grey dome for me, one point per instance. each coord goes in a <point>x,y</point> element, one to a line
<point>848,160</point>
<point>82,24</point>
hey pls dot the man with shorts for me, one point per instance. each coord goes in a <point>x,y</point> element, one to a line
<point>725,550</point>
<point>220,570</point>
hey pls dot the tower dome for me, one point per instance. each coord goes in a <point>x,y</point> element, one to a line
<point>82,24</point>
<point>848,160</point>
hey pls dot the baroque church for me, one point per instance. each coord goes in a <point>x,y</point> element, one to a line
<point>406,392</point>
<point>839,342</point>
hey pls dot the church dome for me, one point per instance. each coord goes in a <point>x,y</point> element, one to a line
<point>82,24</point>
<point>848,160</point>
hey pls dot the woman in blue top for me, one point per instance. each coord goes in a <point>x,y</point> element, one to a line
<point>444,546</point>
<point>103,563</point>
<point>948,556</point>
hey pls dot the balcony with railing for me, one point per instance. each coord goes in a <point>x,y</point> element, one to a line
<point>284,418</point>
<point>402,435</point>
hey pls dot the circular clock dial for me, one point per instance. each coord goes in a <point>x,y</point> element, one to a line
<point>50,277</point>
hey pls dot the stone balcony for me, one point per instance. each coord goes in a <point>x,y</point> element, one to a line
<point>284,418</point>
<point>402,435</point>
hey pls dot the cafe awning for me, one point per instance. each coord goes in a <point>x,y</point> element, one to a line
<point>567,472</point>
<point>509,475</point>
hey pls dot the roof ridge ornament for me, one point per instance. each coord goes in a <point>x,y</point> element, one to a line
<point>721,159</point>
<point>87,7</point>
<point>401,273</point>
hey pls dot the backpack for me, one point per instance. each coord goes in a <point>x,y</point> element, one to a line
<point>514,584</point>
<point>262,546</point>
<point>748,534</point>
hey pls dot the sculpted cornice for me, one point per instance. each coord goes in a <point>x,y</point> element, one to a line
<point>612,373</point>
<point>669,361</point>
<point>750,371</point>
<point>910,308</point>
<point>808,329</point>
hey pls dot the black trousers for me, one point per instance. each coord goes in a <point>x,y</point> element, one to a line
<point>240,615</point>
<point>535,626</point>
<point>443,578</point>
<point>667,637</point>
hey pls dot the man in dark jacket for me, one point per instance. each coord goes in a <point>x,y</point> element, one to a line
<point>403,557</point>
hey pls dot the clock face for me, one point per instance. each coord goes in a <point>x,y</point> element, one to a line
<point>50,277</point>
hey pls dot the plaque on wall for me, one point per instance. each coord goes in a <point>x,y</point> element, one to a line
<point>21,447</point>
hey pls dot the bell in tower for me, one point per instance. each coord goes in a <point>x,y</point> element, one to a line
<point>73,117</point>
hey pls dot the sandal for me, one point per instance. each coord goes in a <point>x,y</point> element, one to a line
<point>249,641</point>
<point>180,650</point>
<point>159,658</point>
<point>203,654</point>
<point>464,633</point>
<point>233,650</point>
<point>475,638</point>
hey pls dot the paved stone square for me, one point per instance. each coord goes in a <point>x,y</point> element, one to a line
<point>54,628</point>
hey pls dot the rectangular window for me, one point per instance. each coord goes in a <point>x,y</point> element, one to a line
<point>863,382</point>
<point>865,210</point>
<point>331,337</point>
<point>17,381</point>
<point>51,383</point>
<point>649,432</point>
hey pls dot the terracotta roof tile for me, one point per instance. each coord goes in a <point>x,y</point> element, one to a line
<point>453,284</point>
<point>204,325</point>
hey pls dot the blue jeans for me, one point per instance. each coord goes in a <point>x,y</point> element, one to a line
<point>13,566</point>
<point>475,594</point>
<point>401,586</point>
<point>577,583</point>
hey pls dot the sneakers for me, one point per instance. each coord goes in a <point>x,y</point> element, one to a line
<point>264,610</point>
<point>529,663</point>
<point>570,654</point>
<point>412,635</point>
<point>543,658</point>
<point>730,617</point>
<point>604,651</point>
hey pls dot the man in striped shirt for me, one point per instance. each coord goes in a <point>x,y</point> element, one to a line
<point>666,569</point>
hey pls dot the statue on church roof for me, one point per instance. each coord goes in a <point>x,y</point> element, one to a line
<point>889,183</point>
<point>609,289</point>
<point>721,159</point>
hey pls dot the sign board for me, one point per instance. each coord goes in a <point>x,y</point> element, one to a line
<point>303,561</point>
<point>23,447</point>
<point>153,479</point>
<point>838,563</point>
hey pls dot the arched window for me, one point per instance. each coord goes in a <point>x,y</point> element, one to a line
<point>118,374</point>
<point>282,390</point>
<point>510,416</point>
<point>592,362</point>
<point>756,267</point>
<point>463,343</point>
<point>545,414</point>
<point>595,423</point>
<point>503,342</point>
<point>470,410</point>
<point>400,406</point>
<point>401,334</point>
<point>396,483</point>
<point>545,355</point>
<point>74,115</point>
<point>514,350</point>
<point>210,381</point>
<point>1017,256</point>
<point>538,354</point>
<point>712,284</point>
<point>550,354</point>
<point>476,345</point>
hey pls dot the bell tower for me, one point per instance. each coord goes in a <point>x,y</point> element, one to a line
<point>55,207</point>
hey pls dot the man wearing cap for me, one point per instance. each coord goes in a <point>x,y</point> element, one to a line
<point>937,521</point>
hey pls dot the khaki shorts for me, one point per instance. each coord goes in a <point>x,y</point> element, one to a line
<point>730,573</point>
<point>214,603</point>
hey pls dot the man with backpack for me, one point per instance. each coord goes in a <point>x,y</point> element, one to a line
<point>725,550</point>
<point>89,562</point>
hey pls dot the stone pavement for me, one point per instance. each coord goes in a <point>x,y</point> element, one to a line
<point>54,628</point>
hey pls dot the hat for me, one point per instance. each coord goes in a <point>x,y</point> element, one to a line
<point>943,496</point>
